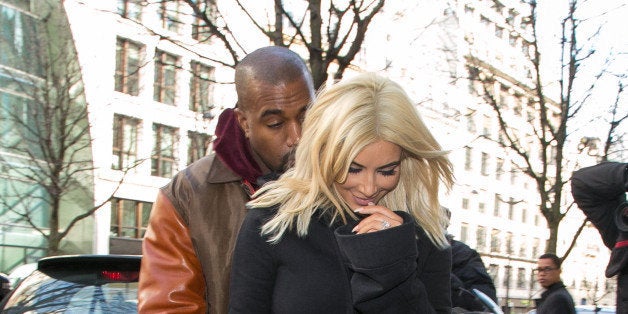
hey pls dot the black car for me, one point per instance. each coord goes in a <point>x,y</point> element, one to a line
<point>78,284</point>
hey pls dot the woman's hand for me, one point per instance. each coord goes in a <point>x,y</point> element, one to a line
<point>377,218</point>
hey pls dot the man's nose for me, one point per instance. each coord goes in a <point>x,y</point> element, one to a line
<point>294,134</point>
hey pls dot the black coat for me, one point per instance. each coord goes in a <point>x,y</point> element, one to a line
<point>555,300</point>
<point>468,272</point>
<point>332,270</point>
<point>600,192</point>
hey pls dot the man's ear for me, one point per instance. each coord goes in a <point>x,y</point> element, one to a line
<point>242,121</point>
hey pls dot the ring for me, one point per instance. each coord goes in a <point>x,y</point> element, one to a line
<point>385,224</point>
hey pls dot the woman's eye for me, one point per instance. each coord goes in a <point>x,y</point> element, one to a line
<point>388,172</point>
<point>354,170</point>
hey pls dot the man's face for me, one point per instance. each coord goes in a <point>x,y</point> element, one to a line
<point>271,119</point>
<point>547,273</point>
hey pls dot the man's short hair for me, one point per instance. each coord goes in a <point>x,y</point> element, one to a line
<point>557,260</point>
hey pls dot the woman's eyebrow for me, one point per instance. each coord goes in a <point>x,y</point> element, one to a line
<point>394,163</point>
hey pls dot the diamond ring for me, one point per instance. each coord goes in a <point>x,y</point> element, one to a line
<point>385,224</point>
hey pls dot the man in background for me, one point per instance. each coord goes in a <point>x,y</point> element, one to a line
<point>467,273</point>
<point>555,299</point>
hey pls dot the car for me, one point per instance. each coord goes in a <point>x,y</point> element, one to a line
<point>78,284</point>
<point>584,309</point>
<point>21,272</point>
<point>5,285</point>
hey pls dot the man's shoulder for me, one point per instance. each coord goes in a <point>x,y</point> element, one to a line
<point>209,169</point>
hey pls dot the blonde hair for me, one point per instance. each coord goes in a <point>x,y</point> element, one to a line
<point>343,120</point>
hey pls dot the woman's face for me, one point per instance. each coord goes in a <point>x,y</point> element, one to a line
<point>372,174</point>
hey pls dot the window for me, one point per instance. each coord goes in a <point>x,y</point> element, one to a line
<point>467,158</point>
<point>497,207</point>
<point>495,241</point>
<point>499,31</point>
<point>486,126</point>
<point>481,208</point>
<point>484,164</point>
<point>521,278</point>
<point>507,274</point>
<point>165,77</point>
<point>164,147</point>
<point>199,143</point>
<point>480,238</point>
<point>19,44</point>
<point>470,124</point>
<point>508,243</point>
<point>127,67</point>
<point>485,21</point>
<point>464,232</point>
<point>468,9</point>
<point>493,270</point>
<point>465,203</point>
<point>522,247</point>
<point>535,248</point>
<point>524,215</point>
<point>130,9</point>
<point>124,151</point>
<point>512,40</point>
<point>200,30</point>
<point>169,15</point>
<point>499,168</point>
<point>513,174</point>
<point>511,208</point>
<point>129,218</point>
<point>201,87</point>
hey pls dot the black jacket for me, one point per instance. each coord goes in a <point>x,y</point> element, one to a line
<point>600,192</point>
<point>468,272</point>
<point>555,300</point>
<point>332,270</point>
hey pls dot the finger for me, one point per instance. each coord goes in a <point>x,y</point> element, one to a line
<point>374,223</point>
<point>379,210</point>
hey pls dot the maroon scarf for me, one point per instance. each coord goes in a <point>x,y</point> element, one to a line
<point>233,148</point>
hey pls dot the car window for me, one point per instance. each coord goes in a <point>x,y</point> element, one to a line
<point>76,293</point>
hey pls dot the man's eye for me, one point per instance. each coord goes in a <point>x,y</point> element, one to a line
<point>354,170</point>
<point>275,125</point>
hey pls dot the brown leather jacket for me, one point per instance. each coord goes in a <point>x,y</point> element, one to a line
<point>190,238</point>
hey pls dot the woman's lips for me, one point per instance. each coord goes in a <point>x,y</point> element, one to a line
<point>364,201</point>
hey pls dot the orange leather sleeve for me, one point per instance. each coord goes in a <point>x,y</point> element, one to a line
<point>171,277</point>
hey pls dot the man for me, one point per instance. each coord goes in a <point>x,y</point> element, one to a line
<point>468,272</point>
<point>194,221</point>
<point>600,192</point>
<point>555,299</point>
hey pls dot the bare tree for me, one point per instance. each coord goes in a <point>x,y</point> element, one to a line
<point>542,153</point>
<point>332,32</point>
<point>46,139</point>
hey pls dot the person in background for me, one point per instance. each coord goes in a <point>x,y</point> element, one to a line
<point>600,192</point>
<point>555,299</point>
<point>467,273</point>
<point>194,221</point>
<point>355,226</point>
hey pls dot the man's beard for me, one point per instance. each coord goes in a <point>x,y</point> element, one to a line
<point>287,161</point>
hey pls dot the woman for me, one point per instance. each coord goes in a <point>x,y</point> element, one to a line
<point>356,225</point>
